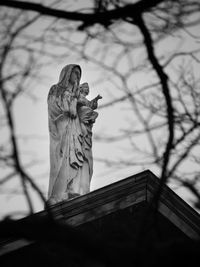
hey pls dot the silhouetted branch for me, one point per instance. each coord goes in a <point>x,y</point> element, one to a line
<point>7,100</point>
<point>103,17</point>
<point>115,101</point>
<point>184,155</point>
<point>166,92</point>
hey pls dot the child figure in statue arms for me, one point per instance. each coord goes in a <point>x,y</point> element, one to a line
<point>86,107</point>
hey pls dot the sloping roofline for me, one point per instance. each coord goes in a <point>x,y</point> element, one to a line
<point>120,195</point>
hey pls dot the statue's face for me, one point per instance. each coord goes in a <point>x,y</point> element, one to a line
<point>75,76</point>
<point>86,90</point>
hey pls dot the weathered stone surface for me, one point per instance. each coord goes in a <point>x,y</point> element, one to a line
<point>71,117</point>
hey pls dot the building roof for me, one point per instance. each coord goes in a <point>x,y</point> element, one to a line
<point>118,196</point>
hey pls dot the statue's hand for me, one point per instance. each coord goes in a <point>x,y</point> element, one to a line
<point>99,97</point>
<point>73,115</point>
<point>75,87</point>
<point>77,94</point>
<point>73,106</point>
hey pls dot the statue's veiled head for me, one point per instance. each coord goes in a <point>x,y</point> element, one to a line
<point>70,74</point>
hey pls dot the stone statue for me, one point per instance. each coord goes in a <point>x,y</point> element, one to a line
<point>71,117</point>
<point>86,108</point>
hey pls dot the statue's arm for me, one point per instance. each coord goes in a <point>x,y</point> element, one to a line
<point>82,101</point>
<point>94,102</point>
<point>56,108</point>
<point>67,104</point>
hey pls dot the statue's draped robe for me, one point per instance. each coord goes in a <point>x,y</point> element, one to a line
<point>71,163</point>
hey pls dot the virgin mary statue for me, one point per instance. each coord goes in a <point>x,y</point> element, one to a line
<point>71,163</point>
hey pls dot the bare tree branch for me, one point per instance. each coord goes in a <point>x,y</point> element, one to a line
<point>166,92</point>
<point>104,18</point>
